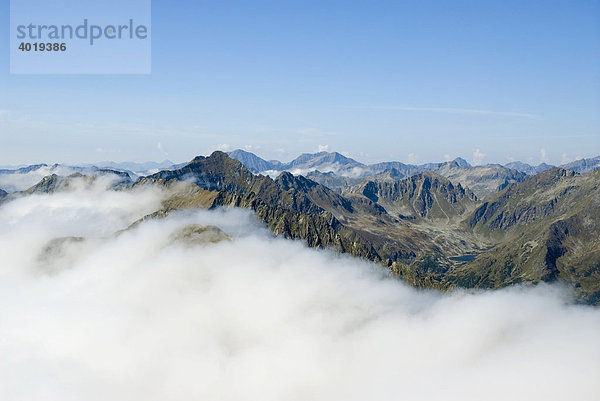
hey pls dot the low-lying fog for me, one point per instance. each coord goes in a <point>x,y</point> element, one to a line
<point>86,314</point>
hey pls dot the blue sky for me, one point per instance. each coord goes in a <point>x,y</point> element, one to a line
<point>416,81</point>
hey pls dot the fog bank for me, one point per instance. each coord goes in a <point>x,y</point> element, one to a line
<point>89,314</point>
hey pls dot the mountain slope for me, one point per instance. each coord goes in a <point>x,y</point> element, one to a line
<point>426,195</point>
<point>547,227</point>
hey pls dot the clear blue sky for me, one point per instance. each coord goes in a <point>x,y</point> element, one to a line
<point>382,80</point>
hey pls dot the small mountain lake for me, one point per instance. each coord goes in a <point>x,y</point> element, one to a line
<point>464,258</point>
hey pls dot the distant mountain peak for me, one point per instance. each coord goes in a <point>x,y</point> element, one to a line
<point>253,162</point>
<point>527,168</point>
<point>460,162</point>
<point>583,165</point>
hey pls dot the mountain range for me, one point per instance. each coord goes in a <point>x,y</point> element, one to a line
<point>440,225</point>
<point>338,171</point>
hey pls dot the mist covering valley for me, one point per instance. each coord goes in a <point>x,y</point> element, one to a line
<point>206,281</point>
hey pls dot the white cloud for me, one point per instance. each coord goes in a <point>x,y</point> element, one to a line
<point>412,158</point>
<point>136,317</point>
<point>161,148</point>
<point>447,157</point>
<point>543,155</point>
<point>251,148</point>
<point>323,148</point>
<point>478,157</point>
<point>224,147</point>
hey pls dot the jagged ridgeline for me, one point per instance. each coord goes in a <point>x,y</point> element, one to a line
<point>422,223</point>
<point>424,228</point>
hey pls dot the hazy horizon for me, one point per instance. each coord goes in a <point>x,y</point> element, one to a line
<point>471,160</point>
<point>409,81</point>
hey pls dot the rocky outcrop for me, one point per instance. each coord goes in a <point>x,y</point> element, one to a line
<point>426,195</point>
<point>197,234</point>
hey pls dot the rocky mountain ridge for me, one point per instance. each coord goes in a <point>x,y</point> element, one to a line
<point>337,171</point>
<point>429,230</point>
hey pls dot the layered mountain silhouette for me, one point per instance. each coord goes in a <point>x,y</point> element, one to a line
<point>324,162</point>
<point>439,225</point>
<point>338,171</point>
<point>425,228</point>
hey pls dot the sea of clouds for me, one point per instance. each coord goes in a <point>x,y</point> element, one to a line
<point>111,315</point>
